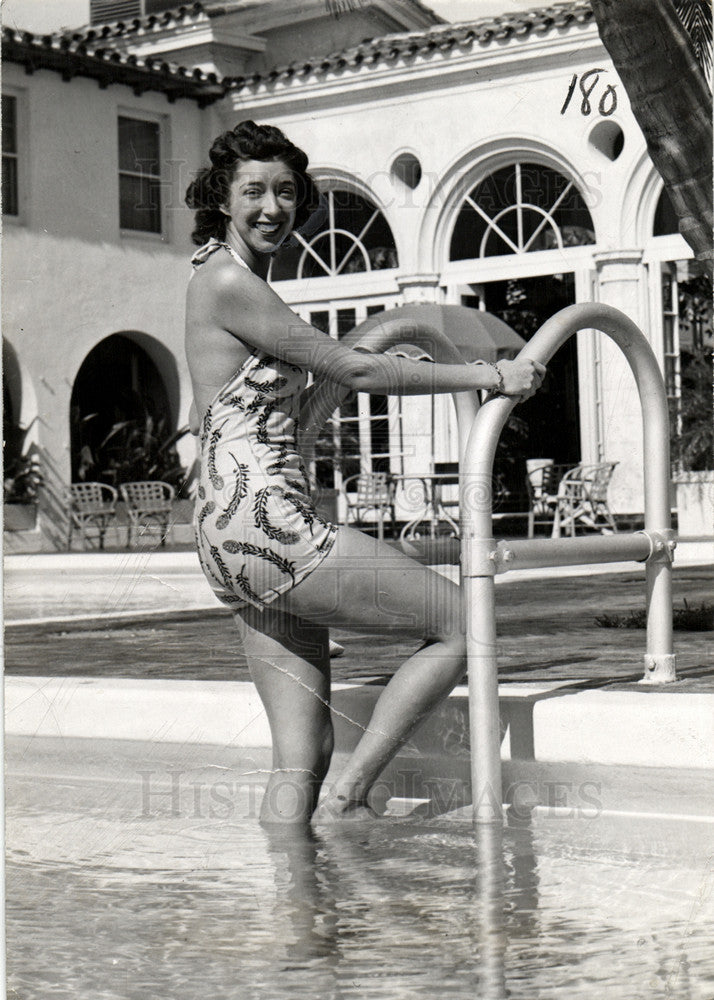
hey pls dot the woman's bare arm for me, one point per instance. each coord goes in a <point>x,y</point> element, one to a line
<point>194,422</point>
<point>244,305</point>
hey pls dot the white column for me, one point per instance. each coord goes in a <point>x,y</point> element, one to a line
<point>416,410</point>
<point>622,279</point>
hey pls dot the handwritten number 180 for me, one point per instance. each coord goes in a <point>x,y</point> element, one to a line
<point>608,100</point>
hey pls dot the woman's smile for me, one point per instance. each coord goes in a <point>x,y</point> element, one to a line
<point>261,206</point>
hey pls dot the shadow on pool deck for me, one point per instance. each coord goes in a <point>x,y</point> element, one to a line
<point>547,632</point>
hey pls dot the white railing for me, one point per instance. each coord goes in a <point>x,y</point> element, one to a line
<point>482,557</point>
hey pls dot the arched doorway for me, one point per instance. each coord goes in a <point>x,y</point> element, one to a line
<point>121,426</point>
<point>520,210</point>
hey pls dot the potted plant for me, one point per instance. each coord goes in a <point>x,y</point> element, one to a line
<point>693,445</point>
<point>142,449</point>
<point>22,480</point>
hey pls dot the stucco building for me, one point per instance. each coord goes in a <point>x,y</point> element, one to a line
<point>494,164</point>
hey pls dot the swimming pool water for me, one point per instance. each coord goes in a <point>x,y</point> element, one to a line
<point>139,871</point>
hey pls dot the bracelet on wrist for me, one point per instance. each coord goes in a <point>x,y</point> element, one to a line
<point>499,386</point>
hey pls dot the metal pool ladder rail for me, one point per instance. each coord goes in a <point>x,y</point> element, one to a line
<point>482,557</point>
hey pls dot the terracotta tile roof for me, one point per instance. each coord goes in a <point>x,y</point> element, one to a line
<point>124,30</point>
<point>72,55</point>
<point>190,13</point>
<point>442,38</point>
<point>98,51</point>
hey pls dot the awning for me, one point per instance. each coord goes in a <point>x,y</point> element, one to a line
<point>478,335</point>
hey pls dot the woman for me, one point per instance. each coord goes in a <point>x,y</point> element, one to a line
<point>287,573</point>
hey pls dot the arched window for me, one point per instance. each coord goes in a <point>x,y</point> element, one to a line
<point>518,209</point>
<point>354,236</point>
<point>665,220</point>
<point>120,419</point>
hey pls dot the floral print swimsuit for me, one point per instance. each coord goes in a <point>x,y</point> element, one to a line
<point>257,531</point>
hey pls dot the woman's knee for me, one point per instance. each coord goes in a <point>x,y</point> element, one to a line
<point>450,641</point>
<point>445,619</point>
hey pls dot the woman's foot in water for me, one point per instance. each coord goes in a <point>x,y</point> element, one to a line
<point>341,809</point>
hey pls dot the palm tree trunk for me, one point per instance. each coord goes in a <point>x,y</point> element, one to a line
<point>671,102</point>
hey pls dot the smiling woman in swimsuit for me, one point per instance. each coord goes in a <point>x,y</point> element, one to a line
<point>286,573</point>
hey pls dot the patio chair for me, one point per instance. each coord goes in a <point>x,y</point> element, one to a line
<point>542,480</point>
<point>147,502</point>
<point>446,477</point>
<point>372,491</point>
<point>92,507</point>
<point>582,499</point>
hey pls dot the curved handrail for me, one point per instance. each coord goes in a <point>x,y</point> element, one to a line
<point>479,430</point>
<point>483,438</point>
<point>480,554</point>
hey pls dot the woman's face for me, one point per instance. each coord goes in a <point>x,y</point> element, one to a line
<point>261,204</point>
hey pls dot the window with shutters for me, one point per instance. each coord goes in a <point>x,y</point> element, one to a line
<point>10,169</point>
<point>139,175</point>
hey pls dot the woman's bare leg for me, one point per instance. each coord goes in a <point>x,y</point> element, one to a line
<point>366,582</point>
<point>290,666</point>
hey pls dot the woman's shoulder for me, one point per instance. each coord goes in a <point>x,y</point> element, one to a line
<point>204,252</point>
<point>214,258</point>
<point>214,268</point>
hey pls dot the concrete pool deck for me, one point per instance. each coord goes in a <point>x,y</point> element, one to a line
<point>54,586</point>
<point>567,720</point>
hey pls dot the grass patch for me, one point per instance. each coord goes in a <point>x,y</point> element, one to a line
<point>694,618</point>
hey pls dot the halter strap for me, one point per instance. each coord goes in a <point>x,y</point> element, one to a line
<point>208,249</point>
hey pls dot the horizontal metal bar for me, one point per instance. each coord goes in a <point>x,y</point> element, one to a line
<point>533,552</point>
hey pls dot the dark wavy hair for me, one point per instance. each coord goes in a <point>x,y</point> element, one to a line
<point>210,188</point>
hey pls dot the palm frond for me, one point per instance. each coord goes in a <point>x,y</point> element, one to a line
<point>696,16</point>
<point>338,7</point>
